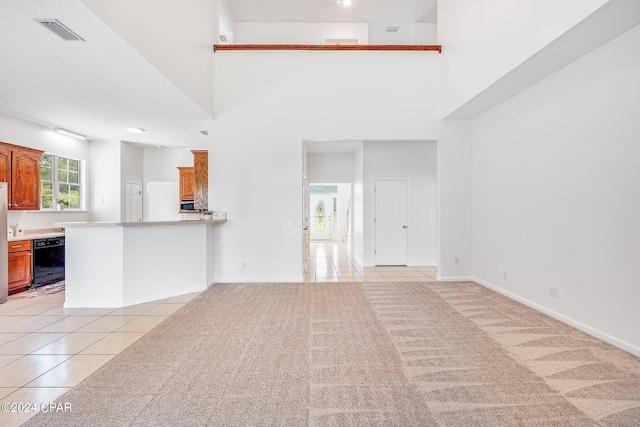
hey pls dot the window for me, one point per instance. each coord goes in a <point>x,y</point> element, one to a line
<point>59,182</point>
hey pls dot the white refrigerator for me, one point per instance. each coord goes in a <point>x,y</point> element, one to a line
<point>4,247</point>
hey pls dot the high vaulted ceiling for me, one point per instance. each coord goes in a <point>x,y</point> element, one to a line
<point>100,86</point>
<point>388,11</point>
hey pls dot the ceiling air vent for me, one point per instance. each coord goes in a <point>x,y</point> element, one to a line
<point>59,29</point>
<point>392,29</point>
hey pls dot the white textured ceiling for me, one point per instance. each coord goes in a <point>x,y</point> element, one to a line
<point>378,11</point>
<point>97,88</point>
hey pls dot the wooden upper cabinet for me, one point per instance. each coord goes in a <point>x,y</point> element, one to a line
<point>187,183</point>
<point>20,167</point>
<point>25,180</point>
<point>201,191</point>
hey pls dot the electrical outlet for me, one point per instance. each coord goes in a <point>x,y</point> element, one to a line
<point>457,260</point>
<point>244,265</point>
<point>553,292</point>
<point>504,275</point>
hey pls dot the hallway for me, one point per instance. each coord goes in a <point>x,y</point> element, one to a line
<point>331,262</point>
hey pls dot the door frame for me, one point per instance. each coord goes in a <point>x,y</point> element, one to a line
<point>306,238</point>
<point>374,212</point>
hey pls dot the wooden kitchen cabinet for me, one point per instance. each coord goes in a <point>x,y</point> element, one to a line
<point>187,183</point>
<point>20,273</point>
<point>201,182</point>
<point>20,168</point>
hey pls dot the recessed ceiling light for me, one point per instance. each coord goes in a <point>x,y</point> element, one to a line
<point>135,130</point>
<point>69,133</point>
<point>346,2</point>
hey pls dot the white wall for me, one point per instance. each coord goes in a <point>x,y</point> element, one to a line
<point>344,209</point>
<point>425,33</point>
<point>454,201</point>
<point>269,102</point>
<point>161,164</point>
<point>300,33</point>
<point>555,194</point>
<point>26,134</point>
<point>330,167</point>
<point>175,37</point>
<point>160,176</point>
<point>415,161</point>
<point>106,189</point>
<point>408,33</point>
<point>313,33</point>
<point>357,231</point>
<point>483,41</point>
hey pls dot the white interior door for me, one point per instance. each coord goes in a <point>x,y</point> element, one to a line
<point>391,222</point>
<point>321,209</point>
<point>134,202</point>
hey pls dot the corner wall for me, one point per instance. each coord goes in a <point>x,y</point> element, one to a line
<point>555,194</point>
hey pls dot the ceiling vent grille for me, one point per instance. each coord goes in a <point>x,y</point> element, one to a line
<point>59,29</point>
<point>392,29</point>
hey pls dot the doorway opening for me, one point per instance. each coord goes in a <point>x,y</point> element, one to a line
<point>407,169</point>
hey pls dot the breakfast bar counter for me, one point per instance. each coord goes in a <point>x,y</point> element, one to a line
<point>121,264</point>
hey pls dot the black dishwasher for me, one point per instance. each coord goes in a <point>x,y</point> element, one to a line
<point>48,261</point>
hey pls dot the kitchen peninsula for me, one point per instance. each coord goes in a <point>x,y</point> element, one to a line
<point>121,264</point>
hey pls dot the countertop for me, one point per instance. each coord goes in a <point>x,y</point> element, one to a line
<point>139,224</point>
<point>37,234</point>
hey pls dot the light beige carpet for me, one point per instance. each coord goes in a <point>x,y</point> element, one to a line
<point>358,354</point>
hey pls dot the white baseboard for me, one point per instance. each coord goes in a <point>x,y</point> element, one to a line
<point>259,280</point>
<point>136,301</point>
<point>633,349</point>
<point>454,279</point>
<point>163,295</point>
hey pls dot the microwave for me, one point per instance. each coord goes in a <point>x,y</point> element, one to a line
<point>187,205</point>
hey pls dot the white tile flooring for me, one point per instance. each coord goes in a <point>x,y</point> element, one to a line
<point>331,262</point>
<point>46,349</point>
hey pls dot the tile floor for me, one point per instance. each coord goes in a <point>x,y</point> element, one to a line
<point>46,349</point>
<point>331,262</point>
